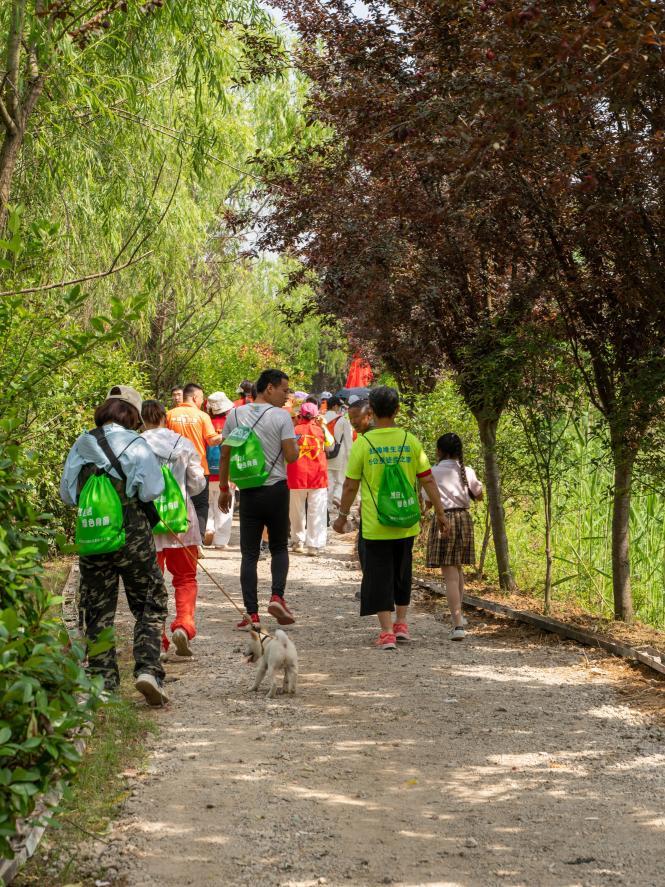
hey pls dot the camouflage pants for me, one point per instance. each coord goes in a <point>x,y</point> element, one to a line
<point>136,564</point>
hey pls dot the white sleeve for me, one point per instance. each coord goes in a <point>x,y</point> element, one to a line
<point>195,476</point>
<point>474,484</point>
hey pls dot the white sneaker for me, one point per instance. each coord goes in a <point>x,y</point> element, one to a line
<point>149,686</point>
<point>298,548</point>
<point>313,552</point>
<point>181,642</point>
<point>457,634</point>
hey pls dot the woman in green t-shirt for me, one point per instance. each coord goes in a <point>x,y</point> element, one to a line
<point>387,567</point>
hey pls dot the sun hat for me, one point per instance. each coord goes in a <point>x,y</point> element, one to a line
<point>218,402</point>
<point>300,395</point>
<point>309,410</point>
<point>326,395</point>
<point>128,394</point>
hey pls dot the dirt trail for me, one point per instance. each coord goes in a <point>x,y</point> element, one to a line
<point>488,762</point>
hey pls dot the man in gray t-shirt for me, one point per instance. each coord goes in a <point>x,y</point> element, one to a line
<point>272,425</point>
<point>267,506</point>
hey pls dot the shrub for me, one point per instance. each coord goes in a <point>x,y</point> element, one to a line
<point>45,694</point>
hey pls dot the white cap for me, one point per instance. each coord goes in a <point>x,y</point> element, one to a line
<point>218,402</point>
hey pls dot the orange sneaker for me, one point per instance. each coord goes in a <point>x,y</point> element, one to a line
<point>386,641</point>
<point>401,631</point>
<point>245,624</point>
<point>277,608</point>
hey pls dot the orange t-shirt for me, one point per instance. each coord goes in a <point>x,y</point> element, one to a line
<point>195,425</point>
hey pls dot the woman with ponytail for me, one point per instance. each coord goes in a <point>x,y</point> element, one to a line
<point>458,486</point>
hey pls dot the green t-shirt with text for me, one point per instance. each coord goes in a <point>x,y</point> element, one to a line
<point>364,465</point>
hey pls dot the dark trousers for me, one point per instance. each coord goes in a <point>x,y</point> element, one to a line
<point>201,503</point>
<point>136,565</point>
<point>264,507</point>
<point>387,572</point>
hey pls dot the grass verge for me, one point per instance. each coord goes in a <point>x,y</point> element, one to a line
<point>115,751</point>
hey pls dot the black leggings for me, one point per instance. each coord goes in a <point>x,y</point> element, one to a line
<point>201,503</point>
<point>264,507</point>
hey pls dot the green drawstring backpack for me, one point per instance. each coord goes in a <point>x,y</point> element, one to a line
<point>248,461</point>
<point>397,501</point>
<point>171,505</point>
<point>100,521</point>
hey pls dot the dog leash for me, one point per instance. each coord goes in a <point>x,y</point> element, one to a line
<point>196,562</point>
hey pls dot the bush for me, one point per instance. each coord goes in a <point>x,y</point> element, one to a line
<point>45,694</point>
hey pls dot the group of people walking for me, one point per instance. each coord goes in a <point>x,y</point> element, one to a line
<point>296,464</point>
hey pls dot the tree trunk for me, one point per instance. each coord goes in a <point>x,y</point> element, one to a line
<point>623,478</point>
<point>487,429</point>
<point>9,152</point>
<point>548,547</point>
<point>483,548</point>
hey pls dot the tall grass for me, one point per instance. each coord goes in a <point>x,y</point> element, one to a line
<point>581,535</point>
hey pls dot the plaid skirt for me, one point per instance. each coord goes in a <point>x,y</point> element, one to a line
<point>458,547</point>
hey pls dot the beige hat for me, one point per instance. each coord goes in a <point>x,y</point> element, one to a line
<point>128,394</point>
<point>218,402</point>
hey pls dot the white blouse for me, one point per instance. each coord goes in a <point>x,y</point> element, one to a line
<point>454,494</point>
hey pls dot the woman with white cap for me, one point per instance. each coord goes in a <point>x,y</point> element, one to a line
<point>115,449</point>
<point>218,528</point>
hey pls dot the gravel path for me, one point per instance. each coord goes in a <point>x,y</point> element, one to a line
<point>496,761</point>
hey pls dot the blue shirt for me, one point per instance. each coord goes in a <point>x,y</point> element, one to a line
<point>144,474</point>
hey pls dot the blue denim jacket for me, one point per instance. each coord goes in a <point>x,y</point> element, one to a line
<point>144,474</point>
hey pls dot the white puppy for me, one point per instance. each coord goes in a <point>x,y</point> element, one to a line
<point>273,654</point>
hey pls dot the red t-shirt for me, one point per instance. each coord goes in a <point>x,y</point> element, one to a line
<point>310,471</point>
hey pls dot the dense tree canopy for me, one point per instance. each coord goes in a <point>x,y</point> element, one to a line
<point>482,166</point>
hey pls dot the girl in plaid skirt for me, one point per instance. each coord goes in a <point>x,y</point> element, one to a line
<point>458,486</point>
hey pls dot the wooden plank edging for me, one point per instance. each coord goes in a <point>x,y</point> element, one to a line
<point>554,626</point>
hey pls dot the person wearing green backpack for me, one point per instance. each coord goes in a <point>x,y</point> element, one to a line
<point>258,442</point>
<point>178,535</point>
<point>388,462</point>
<point>113,477</point>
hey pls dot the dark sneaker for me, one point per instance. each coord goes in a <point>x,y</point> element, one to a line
<point>278,609</point>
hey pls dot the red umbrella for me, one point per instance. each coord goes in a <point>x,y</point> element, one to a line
<point>360,373</point>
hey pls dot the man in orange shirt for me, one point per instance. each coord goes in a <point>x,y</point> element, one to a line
<point>189,420</point>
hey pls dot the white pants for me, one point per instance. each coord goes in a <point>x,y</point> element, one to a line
<point>335,484</point>
<point>316,503</point>
<point>218,522</point>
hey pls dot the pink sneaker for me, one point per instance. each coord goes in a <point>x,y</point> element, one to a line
<point>401,630</point>
<point>386,641</point>
<point>277,608</point>
<point>245,624</point>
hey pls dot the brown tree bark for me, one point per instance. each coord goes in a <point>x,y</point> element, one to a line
<point>484,546</point>
<point>487,428</point>
<point>548,547</point>
<point>621,586</point>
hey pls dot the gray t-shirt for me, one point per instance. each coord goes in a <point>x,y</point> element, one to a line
<point>275,425</point>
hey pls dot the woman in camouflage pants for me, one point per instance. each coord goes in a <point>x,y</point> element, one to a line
<point>137,478</point>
